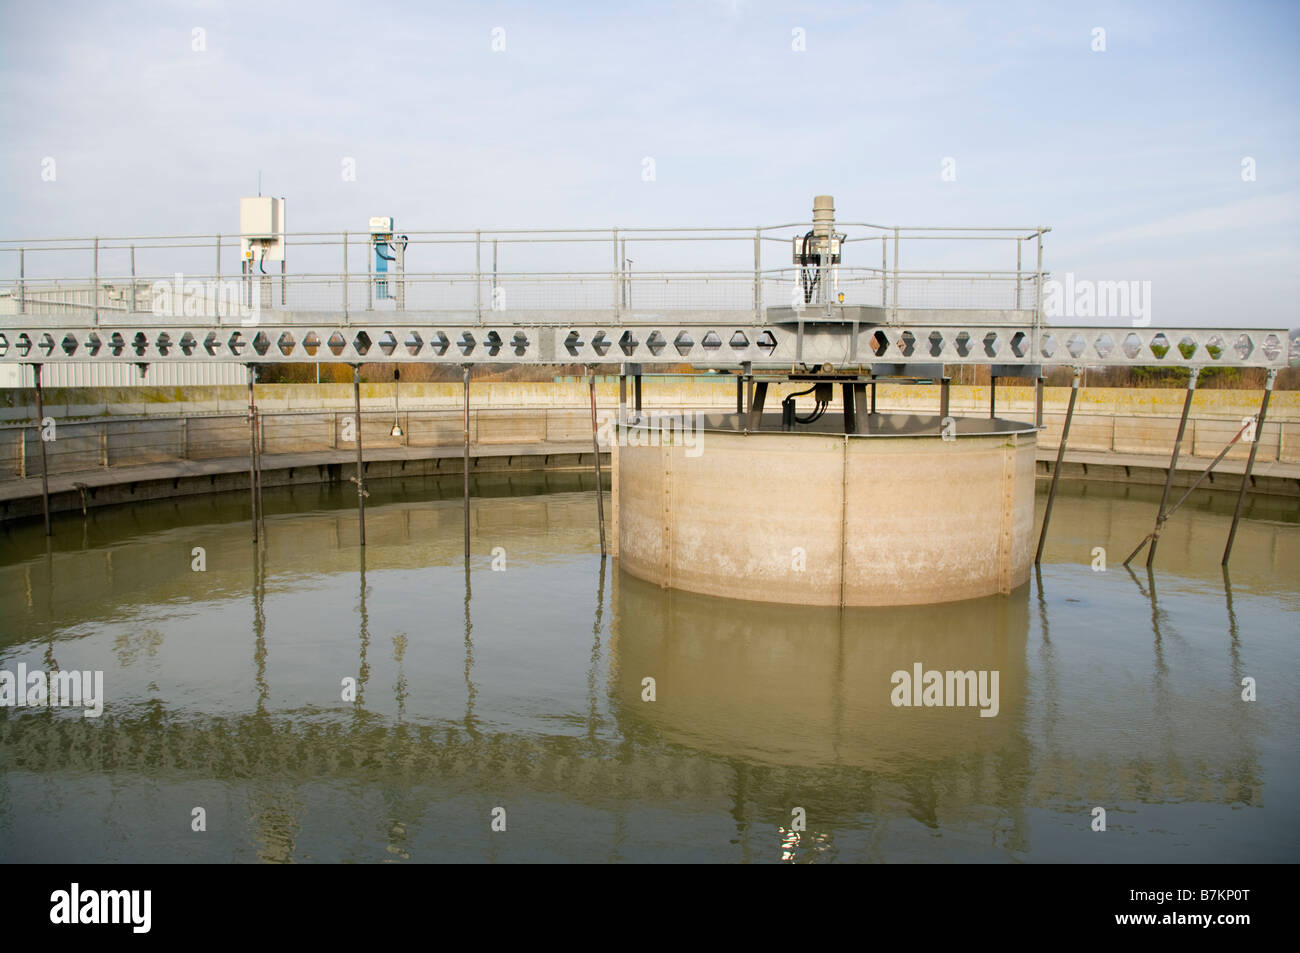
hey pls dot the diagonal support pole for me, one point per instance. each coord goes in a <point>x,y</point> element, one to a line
<point>1173,465</point>
<point>1192,489</point>
<point>1056,470</point>
<point>1250,465</point>
<point>1154,536</point>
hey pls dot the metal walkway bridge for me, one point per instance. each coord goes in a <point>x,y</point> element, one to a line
<point>648,296</point>
<point>644,297</point>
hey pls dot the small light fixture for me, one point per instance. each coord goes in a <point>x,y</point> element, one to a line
<point>397,428</point>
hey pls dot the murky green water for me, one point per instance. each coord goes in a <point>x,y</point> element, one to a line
<point>523,689</point>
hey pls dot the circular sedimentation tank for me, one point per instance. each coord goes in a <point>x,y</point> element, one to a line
<point>907,510</point>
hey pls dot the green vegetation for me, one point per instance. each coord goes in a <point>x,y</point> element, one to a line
<point>1227,378</point>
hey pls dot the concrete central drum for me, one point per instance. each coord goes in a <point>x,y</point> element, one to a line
<point>907,510</point>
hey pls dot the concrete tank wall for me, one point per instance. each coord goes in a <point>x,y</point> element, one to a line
<point>829,520</point>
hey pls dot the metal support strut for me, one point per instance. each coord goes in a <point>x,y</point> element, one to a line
<point>1161,515</point>
<point>1250,465</point>
<point>252,448</point>
<point>1056,470</point>
<point>465,368</point>
<point>1192,489</point>
<point>40,436</point>
<point>257,458</point>
<point>360,478</point>
<point>595,445</point>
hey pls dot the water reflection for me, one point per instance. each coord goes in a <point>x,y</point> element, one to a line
<point>793,685</point>
<point>470,690</point>
<point>1114,689</point>
<point>363,665</point>
<point>273,805</point>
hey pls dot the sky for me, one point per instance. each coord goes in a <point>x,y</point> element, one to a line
<point>1165,148</point>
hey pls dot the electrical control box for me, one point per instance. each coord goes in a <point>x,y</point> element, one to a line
<point>815,245</point>
<point>261,228</point>
<point>381,225</point>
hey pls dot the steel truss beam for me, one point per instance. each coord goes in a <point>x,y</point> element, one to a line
<point>719,339</point>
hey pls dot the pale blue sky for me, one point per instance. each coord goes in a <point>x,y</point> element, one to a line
<point>1132,155</point>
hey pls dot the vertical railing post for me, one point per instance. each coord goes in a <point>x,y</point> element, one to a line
<point>478,276</point>
<point>618,282</point>
<point>94,287</point>
<point>893,318</point>
<point>22,283</point>
<point>216,297</point>
<point>399,253</point>
<point>284,256</point>
<point>1250,463</point>
<point>884,269</point>
<point>625,272</point>
<point>758,275</point>
<point>1019,249</point>
<point>1038,291</point>
<point>345,280</point>
<point>133,302</point>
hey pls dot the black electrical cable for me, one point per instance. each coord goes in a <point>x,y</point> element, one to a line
<point>818,409</point>
<point>809,277</point>
<point>815,415</point>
